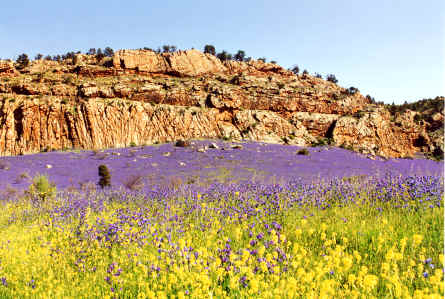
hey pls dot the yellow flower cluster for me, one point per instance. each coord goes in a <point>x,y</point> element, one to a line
<point>212,256</point>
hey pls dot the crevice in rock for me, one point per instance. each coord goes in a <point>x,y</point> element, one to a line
<point>18,123</point>
<point>330,131</point>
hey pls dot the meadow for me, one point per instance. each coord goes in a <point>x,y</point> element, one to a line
<point>250,221</point>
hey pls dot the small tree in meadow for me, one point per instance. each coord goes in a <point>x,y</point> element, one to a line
<point>41,188</point>
<point>105,177</point>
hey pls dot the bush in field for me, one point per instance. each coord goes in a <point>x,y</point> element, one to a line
<point>134,182</point>
<point>182,143</point>
<point>303,152</point>
<point>41,188</point>
<point>5,165</point>
<point>105,177</point>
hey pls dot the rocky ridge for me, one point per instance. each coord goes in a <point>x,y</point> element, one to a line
<point>142,97</point>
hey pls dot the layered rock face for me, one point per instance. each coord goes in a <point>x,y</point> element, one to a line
<point>374,133</point>
<point>143,97</point>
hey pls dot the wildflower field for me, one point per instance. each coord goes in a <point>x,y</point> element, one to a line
<point>376,231</point>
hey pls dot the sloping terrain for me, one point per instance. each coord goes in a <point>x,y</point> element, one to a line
<point>203,163</point>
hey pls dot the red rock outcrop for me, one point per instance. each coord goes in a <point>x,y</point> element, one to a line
<point>7,68</point>
<point>182,63</point>
<point>31,125</point>
<point>373,132</point>
<point>143,97</point>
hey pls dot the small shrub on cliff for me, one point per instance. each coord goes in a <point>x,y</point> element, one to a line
<point>209,49</point>
<point>169,48</point>
<point>41,188</point>
<point>370,99</point>
<point>235,80</point>
<point>108,52</point>
<point>105,177</point>
<point>263,59</point>
<point>295,69</point>
<point>23,61</point>
<point>438,154</point>
<point>348,147</point>
<point>223,56</point>
<point>352,90</point>
<point>322,142</point>
<point>240,55</point>
<point>331,78</point>
<point>38,57</point>
<point>99,54</point>
<point>68,55</point>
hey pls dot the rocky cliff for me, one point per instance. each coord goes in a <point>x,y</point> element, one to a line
<point>142,97</point>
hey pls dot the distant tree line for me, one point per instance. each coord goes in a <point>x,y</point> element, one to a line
<point>224,55</point>
<point>23,59</point>
<point>436,105</point>
<point>330,77</point>
<point>210,49</point>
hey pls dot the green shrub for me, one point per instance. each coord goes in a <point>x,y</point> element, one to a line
<point>322,142</point>
<point>42,188</point>
<point>303,151</point>
<point>22,61</point>
<point>331,78</point>
<point>105,177</point>
<point>210,49</point>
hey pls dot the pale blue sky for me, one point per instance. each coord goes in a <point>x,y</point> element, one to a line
<point>390,49</point>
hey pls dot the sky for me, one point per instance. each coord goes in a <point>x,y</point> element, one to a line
<point>392,50</point>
